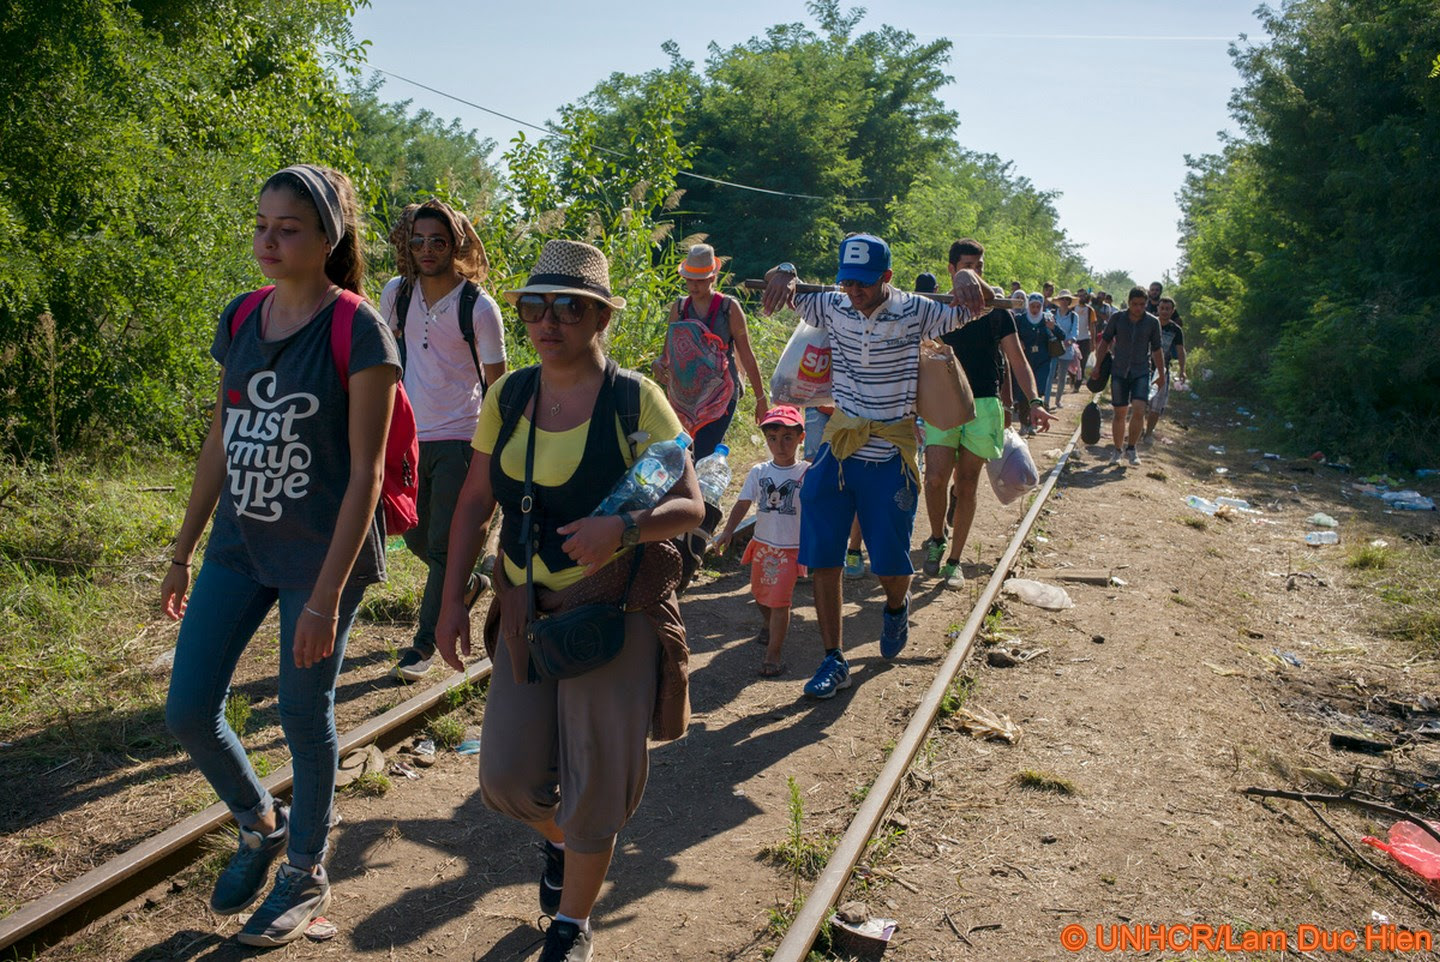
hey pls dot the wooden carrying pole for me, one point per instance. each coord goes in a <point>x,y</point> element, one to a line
<point>754,284</point>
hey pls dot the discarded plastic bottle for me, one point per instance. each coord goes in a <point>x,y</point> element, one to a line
<point>1322,520</point>
<point>1202,504</point>
<point>1239,504</point>
<point>713,470</point>
<point>649,479</point>
<point>1322,537</point>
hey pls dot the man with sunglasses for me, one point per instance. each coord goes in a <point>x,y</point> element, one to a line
<point>867,466</point>
<point>451,346</point>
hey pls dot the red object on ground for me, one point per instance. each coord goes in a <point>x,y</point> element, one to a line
<point>1318,456</point>
<point>1412,847</point>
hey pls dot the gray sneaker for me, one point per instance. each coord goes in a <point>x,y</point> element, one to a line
<point>413,665</point>
<point>1115,455</point>
<point>244,876</point>
<point>297,898</point>
<point>1131,456</point>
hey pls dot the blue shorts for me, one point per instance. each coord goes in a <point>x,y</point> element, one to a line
<point>1128,390</point>
<point>881,493</point>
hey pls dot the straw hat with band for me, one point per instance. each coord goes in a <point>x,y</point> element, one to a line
<point>699,263</point>
<point>570,267</point>
<point>1065,295</point>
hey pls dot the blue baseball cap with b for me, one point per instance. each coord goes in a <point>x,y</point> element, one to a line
<point>864,258</point>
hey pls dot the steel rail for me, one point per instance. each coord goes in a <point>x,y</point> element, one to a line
<point>47,912</point>
<point>800,937</point>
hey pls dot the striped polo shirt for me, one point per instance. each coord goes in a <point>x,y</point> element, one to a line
<point>875,361</point>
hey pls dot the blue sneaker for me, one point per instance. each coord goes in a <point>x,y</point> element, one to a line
<point>832,675</point>
<point>895,631</point>
<point>854,565</point>
<point>245,874</point>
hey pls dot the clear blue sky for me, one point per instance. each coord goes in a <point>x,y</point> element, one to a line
<point>1104,121</point>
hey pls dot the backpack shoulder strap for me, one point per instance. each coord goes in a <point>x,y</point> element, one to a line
<point>627,405</point>
<point>518,390</point>
<point>401,307</point>
<point>342,326</point>
<point>249,306</point>
<point>469,297</point>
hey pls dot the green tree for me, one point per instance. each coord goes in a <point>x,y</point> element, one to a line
<point>134,137</point>
<point>1310,242</point>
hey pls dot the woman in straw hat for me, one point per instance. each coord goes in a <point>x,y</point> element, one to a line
<point>707,333</point>
<point>1067,321</point>
<point>568,757</point>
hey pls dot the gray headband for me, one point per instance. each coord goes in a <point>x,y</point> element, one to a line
<point>326,197</point>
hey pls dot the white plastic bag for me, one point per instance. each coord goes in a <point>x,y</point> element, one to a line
<point>1038,593</point>
<point>1014,472</point>
<point>802,376</point>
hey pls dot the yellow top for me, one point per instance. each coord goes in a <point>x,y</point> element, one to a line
<point>558,454</point>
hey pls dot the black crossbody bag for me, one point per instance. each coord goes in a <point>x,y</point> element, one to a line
<point>587,636</point>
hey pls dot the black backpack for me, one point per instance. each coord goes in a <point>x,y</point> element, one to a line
<point>516,394</point>
<point>469,294</point>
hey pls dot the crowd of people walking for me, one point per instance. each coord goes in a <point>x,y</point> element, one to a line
<point>304,475</point>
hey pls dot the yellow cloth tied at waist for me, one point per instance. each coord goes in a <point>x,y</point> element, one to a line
<point>847,434</point>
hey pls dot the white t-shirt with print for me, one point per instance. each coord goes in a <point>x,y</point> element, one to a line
<point>439,372</point>
<point>776,494</point>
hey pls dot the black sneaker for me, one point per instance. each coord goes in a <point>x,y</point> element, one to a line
<point>413,665</point>
<point>552,880</point>
<point>564,942</point>
<point>474,588</point>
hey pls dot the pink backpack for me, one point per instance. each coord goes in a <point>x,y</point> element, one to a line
<point>698,363</point>
<point>400,483</point>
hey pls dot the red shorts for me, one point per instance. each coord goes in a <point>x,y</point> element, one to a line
<point>772,573</point>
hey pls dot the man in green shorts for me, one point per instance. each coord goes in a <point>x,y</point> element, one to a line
<point>963,451</point>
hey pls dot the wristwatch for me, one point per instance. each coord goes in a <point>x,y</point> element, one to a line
<point>786,268</point>
<point>630,537</point>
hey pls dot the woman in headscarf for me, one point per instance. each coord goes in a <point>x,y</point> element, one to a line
<point>1036,329</point>
<point>568,756</point>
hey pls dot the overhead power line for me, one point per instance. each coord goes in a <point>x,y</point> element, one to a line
<point>560,133</point>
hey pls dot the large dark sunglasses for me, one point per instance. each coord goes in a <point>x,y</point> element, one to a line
<point>846,284</point>
<point>565,308</point>
<point>419,242</point>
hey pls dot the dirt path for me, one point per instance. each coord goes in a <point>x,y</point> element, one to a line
<point>1154,729</point>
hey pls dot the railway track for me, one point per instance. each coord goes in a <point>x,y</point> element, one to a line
<point>46,921</point>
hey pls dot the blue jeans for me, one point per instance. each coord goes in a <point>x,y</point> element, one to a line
<point>224,611</point>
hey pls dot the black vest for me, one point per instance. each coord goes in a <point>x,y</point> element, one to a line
<point>601,466</point>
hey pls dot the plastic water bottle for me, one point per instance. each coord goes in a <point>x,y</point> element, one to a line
<point>1202,504</point>
<point>713,470</point>
<point>1322,537</point>
<point>648,480</point>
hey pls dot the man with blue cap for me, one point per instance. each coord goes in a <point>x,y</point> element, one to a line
<point>867,466</point>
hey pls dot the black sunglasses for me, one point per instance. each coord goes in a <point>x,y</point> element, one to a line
<point>565,308</point>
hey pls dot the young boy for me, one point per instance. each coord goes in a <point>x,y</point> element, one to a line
<point>774,486</point>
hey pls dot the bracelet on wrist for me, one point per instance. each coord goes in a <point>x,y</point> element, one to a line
<point>183,564</point>
<point>317,614</point>
<point>1036,402</point>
